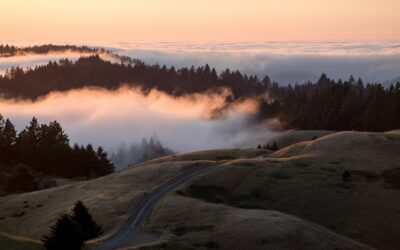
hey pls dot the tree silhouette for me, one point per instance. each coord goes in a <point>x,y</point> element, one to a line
<point>81,215</point>
<point>64,235</point>
<point>44,149</point>
<point>8,136</point>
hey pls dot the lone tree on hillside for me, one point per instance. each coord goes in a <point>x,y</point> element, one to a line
<point>80,215</point>
<point>64,235</point>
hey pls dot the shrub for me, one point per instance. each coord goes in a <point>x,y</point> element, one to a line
<point>21,180</point>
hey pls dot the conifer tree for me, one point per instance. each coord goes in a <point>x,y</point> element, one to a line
<point>64,235</point>
<point>81,216</point>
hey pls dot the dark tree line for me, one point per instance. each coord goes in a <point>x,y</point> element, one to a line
<point>45,149</point>
<point>272,147</point>
<point>334,105</point>
<point>10,50</point>
<point>93,71</point>
<point>327,104</point>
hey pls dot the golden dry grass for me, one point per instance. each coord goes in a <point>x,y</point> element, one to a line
<point>109,198</point>
<point>18,243</point>
<point>303,179</point>
<point>294,136</point>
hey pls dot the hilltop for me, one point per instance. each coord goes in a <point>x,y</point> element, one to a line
<point>296,197</point>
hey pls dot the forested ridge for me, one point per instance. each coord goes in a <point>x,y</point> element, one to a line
<point>93,71</point>
<point>326,104</point>
<point>44,149</point>
<point>11,50</point>
<point>334,105</point>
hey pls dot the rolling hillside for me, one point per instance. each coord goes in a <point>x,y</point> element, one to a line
<point>295,198</point>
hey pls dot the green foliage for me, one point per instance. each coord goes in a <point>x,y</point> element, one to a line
<point>64,235</point>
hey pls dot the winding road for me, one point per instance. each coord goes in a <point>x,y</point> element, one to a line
<point>133,224</point>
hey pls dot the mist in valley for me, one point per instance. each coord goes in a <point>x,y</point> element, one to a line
<point>126,121</point>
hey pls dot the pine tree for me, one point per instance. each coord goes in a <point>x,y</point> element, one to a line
<point>81,215</point>
<point>64,235</point>
<point>8,137</point>
<point>104,165</point>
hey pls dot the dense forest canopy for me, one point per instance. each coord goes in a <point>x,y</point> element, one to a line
<point>326,104</point>
<point>94,71</point>
<point>44,149</point>
<point>334,105</point>
<point>11,50</point>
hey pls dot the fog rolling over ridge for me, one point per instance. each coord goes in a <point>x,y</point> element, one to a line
<point>125,116</point>
<point>285,62</point>
<point>31,59</point>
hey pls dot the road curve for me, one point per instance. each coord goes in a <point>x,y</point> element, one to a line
<point>142,210</point>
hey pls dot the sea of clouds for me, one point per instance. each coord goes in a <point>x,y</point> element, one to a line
<point>283,61</point>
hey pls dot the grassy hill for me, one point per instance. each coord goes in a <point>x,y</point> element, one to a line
<point>19,243</point>
<point>306,180</point>
<point>296,197</point>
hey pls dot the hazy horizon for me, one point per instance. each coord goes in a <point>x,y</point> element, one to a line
<point>125,20</point>
<point>284,62</point>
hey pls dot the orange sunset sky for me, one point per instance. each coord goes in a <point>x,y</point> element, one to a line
<point>199,21</point>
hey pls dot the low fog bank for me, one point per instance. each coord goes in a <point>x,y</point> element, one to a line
<point>284,62</point>
<point>125,116</point>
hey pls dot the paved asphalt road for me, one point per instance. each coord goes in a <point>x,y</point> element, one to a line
<point>132,226</point>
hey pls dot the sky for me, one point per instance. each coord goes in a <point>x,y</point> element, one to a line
<point>101,21</point>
